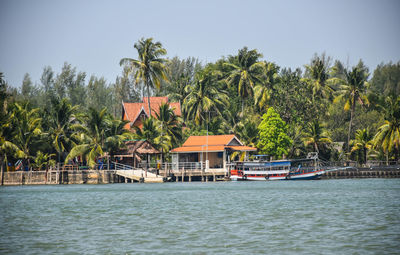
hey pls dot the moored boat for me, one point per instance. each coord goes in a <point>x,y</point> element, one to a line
<point>296,169</point>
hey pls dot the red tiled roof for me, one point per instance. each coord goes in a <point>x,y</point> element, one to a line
<point>133,110</point>
<point>212,148</point>
<point>212,140</point>
<point>211,144</point>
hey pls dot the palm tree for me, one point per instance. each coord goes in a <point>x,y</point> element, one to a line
<point>317,74</point>
<point>27,130</point>
<point>263,91</point>
<point>61,119</point>
<point>388,135</point>
<point>204,97</point>
<point>315,136</point>
<point>150,67</point>
<point>247,73</point>
<point>149,131</point>
<point>91,136</point>
<point>169,124</point>
<point>116,134</point>
<point>352,90</point>
<point>362,143</point>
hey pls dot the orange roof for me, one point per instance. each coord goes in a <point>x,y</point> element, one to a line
<point>212,148</point>
<point>213,143</point>
<point>133,110</point>
<point>212,140</point>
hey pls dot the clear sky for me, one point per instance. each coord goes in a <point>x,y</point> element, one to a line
<point>95,35</point>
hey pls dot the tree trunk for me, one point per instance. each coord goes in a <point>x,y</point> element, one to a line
<point>2,173</point>
<point>350,124</point>
<point>365,156</point>
<point>148,95</point>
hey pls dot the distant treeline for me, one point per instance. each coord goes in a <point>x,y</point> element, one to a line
<point>342,112</point>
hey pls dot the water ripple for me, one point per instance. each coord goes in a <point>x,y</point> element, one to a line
<point>310,217</point>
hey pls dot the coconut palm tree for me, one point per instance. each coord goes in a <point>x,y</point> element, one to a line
<point>149,131</point>
<point>388,135</point>
<point>317,76</point>
<point>169,124</point>
<point>61,119</point>
<point>116,134</point>
<point>315,136</point>
<point>352,90</point>
<point>27,130</point>
<point>362,143</point>
<point>149,68</point>
<point>247,73</point>
<point>204,96</point>
<point>264,90</point>
<point>92,135</point>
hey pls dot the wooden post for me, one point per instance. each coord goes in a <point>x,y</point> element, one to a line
<point>147,164</point>
<point>214,179</point>
<point>190,177</point>
<point>2,174</point>
<point>183,174</point>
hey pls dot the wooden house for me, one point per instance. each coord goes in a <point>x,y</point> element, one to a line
<point>207,152</point>
<point>135,113</point>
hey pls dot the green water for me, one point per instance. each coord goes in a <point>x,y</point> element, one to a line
<point>354,216</point>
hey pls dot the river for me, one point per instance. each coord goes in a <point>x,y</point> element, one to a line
<point>351,216</point>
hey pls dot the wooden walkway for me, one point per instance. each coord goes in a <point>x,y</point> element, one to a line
<point>140,175</point>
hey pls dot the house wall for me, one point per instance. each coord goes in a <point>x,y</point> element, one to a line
<point>215,161</point>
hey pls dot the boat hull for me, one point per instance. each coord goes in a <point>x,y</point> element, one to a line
<point>287,177</point>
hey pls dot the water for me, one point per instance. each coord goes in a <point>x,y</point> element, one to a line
<point>354,216</point>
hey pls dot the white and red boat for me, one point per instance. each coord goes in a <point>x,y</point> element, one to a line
<point>296,169</point>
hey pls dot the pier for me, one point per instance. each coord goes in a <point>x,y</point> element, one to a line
<point>118,173</point>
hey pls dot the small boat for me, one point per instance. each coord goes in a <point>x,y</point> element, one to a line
<point>294,169</point>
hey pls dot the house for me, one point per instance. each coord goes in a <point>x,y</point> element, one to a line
<point>135,113</point>
<point>135,152</point>
<point>207,152</point>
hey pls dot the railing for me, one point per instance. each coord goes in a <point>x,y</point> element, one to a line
<point>178,166</point>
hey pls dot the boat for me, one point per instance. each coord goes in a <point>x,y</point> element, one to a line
<point>292,169</point>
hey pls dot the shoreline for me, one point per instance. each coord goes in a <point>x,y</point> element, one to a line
<point>110,176</point>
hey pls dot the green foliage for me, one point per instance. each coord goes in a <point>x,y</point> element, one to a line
<point>361,144</point>
<point>150,68</point>
<point>246,74</point>
<point>388,135</point>
<point>272,132</point>
<point>213,99</point>
<point>353,90</point>
<point>204,97</point>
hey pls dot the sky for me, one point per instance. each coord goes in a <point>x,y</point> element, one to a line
<point>94,35</point>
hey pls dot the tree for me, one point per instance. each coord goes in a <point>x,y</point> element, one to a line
<point>204,97</point>
<point>273,139</point>
<point>388,135</point>
<point>150,68</point>
<point>181,73</point>
<point>27,130</point>
<point>247,73</point>
<point>91,136</point>
<point>317,76</point>
<point>352,90</point>
<point>99,95</point>
<point>61,120</point>
<point>149,131</point>
<point>169,124</point>
<point>361,144</point>
<point>264,90</point>
<point>315,136</point>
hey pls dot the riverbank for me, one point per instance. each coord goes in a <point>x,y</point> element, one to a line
<point>110,176</point>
